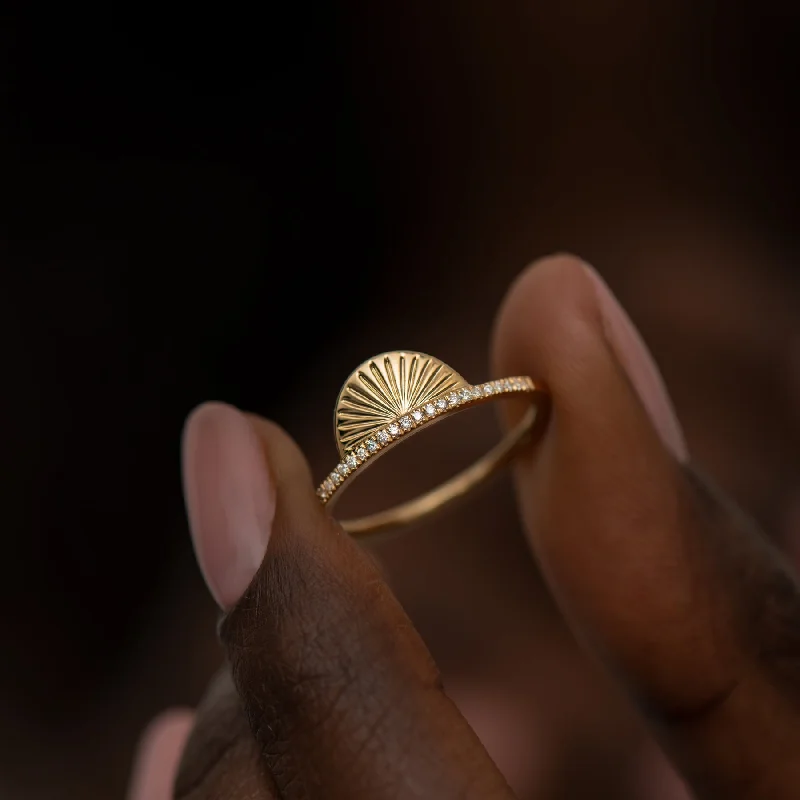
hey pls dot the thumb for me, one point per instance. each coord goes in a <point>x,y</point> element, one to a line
<point>340,692</point>
<point>673,588</point>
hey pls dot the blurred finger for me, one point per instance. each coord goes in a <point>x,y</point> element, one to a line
<point>156,762</point>
<point>660,574</point>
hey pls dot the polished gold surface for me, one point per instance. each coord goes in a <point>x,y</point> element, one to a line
<point>396,394</point>
<point>384,389</point>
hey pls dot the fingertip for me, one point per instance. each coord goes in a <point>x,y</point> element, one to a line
<point>158,755</point>
<point>632,353</point>
<point>548,324</point>
<point>601,474</point>
<point>560,322</point>
<point>537,299</point>
<point>287,461</point>
<point>230,498</point>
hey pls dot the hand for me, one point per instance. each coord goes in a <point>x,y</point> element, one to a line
<point>332,694</point>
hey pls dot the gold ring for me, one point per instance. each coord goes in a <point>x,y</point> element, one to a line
<point>395,394</point>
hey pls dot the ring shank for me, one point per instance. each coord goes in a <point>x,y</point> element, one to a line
<point>436,499</point>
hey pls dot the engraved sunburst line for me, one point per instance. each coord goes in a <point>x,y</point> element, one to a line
<point>392,381</point>
<point>357,415</point>
<point>382,388</point>
<point>402,387</point>
<point>375,385</point>
<point>352,426</point>
<point>383,381</point>
<point>349,441</point>
<point>367,408</point>
<point>446,385</point>
<point>378,387</point>
<point>441,385</point>
<point>426,393</point>
<point>359,409</point>
<point>360,398</point>
<point>355,434</point>
<point>351,435</point>
<point>355,423</point>
<point>431,374</point>
<point>414,375</point>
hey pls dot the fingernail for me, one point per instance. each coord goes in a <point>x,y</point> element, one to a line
<point>156,763</point>
<point>230,498</point>
<point>635,358</point>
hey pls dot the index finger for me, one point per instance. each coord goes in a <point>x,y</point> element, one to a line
<point>663,577</point>
<point>339,690</point>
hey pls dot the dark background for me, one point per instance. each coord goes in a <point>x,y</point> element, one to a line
<point>174,191</point>
<point>193,202</point>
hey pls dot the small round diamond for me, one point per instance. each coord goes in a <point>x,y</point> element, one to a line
<point>394,429</point>
<point>500,386</point>
<point>336,478</point>
<point>328,485</point>
<point>343,469</point>
<point>372,445</point>
<point>406,423</point>
<point>417,414</point>
<point>452,399</point>
<point>383,437</point>
<point>361,453</point>
<point>430,409</point>
<point>351,461</point>
<point>441,404</point>
<point>465,394</point>
<point>488,388</point>
<point>476,392</point>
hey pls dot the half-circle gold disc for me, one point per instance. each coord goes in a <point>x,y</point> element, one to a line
<point>386,387</point>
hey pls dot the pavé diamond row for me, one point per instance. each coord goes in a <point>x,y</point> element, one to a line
<point>416,417</point>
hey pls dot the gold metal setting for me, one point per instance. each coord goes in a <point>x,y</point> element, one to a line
<point>394,395</point>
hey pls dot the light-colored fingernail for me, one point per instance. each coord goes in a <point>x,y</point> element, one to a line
<point>230,498</point>
<point>635,358</point>
<point>156,763</point>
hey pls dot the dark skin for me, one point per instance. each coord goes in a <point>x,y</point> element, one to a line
<point>332,694</point>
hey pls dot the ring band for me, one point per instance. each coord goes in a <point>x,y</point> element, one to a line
<point>395,394</point>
